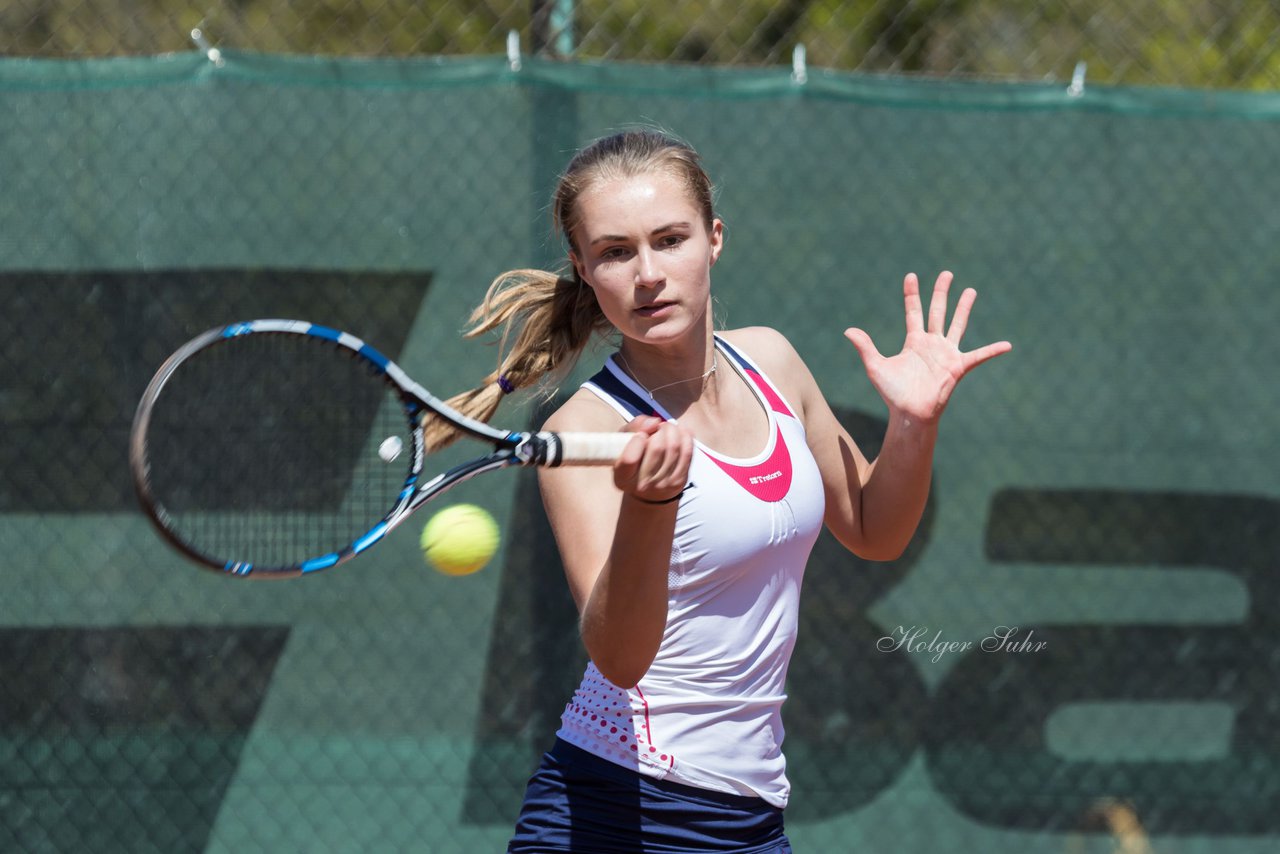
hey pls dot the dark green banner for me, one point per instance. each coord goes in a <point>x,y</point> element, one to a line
<point>1077,652</point>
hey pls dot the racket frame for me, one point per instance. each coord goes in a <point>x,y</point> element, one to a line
<point>511,448</point>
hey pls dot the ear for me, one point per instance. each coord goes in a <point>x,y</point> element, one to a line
<point>716,239</point>
<point>578,267</point>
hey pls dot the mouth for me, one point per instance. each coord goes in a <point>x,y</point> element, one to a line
<point>654,309</point>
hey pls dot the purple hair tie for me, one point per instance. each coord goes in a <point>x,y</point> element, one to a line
<point>505,384</point>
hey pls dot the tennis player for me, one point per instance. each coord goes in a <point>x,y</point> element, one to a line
<point>686,558</point>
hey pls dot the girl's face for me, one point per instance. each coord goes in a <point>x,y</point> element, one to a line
<point>644,249</point>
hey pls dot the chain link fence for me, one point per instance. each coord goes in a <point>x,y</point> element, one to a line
<point>1189,43</point>
<point>1078,652</point>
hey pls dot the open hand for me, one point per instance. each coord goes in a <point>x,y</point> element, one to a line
<point>917,382</point>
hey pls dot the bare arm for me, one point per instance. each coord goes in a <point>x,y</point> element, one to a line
<point>614,543</point>
<point>873,508</point>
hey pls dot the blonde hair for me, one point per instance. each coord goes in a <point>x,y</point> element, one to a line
<point>547,319</point>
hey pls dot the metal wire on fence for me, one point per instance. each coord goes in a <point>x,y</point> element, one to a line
<point>1079,645</point>
<point>1190,43</point>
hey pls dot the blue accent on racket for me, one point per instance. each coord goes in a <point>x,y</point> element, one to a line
<point>263,450</point>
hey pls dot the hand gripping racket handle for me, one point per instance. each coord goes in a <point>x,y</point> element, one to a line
<point>584,449</point>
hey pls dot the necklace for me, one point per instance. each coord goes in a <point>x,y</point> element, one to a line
<point>715,360</point>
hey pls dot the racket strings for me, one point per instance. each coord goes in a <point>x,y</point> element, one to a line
<point>275,449</point>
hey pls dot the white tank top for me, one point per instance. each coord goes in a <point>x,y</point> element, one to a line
<point>708,711</point>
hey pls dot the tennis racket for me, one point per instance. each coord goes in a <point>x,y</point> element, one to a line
<point>276,448</point>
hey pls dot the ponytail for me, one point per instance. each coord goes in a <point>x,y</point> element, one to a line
<point>546,321</point>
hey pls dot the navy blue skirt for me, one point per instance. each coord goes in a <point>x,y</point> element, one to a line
<point>581,803</point>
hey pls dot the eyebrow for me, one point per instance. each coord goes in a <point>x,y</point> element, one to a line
<point>612,238</point>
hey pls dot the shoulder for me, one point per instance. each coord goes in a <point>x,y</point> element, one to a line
<point>777,359</point>
<point>583,412</point>
<point>767,347</point>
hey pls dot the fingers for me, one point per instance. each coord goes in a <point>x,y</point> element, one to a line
<point>643,425</point>
<point>646,424</point>
<point>911,295</point>
<point>960,320</point>
<point>862,342</point>
<point>938,303</point>
<point>960,323</point>
<point>976,357</point>
<point>937,324</point>
<point>655,464</point>
<point>937,321</point>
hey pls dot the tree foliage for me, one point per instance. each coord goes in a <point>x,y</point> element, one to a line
<point>1209,43</point>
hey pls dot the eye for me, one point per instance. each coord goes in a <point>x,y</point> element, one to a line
<point>670,241</point>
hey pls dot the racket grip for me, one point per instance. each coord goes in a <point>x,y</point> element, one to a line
<point>589,449</point>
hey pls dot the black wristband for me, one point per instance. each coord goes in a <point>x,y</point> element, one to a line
<point>670,500</point>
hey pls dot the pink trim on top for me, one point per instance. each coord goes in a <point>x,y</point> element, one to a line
<point>648,734</point>
<point>769,480</point>
<point>775,400</point>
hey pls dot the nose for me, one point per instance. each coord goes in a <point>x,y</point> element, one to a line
<point>647,269</point>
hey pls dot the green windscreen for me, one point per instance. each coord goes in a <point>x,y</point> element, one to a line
<point>1078,650</point>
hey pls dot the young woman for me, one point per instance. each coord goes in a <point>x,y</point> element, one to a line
<point>685,559</point>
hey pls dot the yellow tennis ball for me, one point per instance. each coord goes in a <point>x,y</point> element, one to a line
<point>460,540</point>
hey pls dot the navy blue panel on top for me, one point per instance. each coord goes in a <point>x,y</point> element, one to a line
<point>618,390</point>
